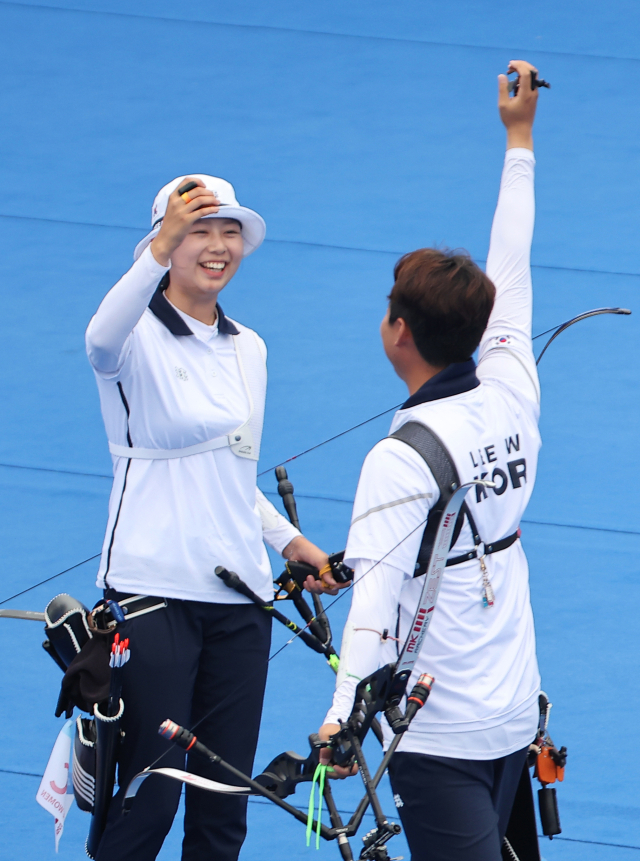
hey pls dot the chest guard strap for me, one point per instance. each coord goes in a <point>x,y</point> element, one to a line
<point>437,457</point>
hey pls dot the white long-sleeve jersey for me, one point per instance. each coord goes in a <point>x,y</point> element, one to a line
<point>167,381</point>
<point>484,701</point>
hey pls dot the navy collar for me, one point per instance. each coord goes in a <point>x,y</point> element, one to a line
<point>167,314</point>
<point>453,380</point>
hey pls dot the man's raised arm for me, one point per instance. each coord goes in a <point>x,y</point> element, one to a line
<point>505,350</point>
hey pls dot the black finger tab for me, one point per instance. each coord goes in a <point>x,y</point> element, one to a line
<point>188,186</point>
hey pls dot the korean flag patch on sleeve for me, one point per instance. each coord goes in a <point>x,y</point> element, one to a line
<point>501,341</point>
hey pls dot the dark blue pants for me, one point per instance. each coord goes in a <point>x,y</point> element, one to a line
<point>455,809</point>
<point>186,660</point>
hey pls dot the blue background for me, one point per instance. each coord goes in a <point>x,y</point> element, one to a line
<point>360,131</point>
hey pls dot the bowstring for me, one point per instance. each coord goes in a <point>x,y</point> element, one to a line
<point>260,474</point>
<point>331,439</point>
<point>557,330</point>
<point>49,579</point>
<point>343,592</point>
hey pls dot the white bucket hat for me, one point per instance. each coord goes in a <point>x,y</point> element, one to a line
<point>253,226</point>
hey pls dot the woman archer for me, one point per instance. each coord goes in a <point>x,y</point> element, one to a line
<point>182,390</point>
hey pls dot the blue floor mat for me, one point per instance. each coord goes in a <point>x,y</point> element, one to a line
<point>356,131</point>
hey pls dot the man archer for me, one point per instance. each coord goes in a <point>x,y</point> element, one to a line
<point>456,771</point>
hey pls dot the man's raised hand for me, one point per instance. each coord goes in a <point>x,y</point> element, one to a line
<point>518,112</point>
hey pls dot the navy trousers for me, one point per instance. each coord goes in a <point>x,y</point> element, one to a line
<point>187,660</point>
<point>455,809</point>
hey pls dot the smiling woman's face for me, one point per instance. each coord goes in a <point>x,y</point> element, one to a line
<point>208,257</point>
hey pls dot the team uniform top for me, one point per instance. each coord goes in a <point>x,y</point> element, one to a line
<point>169,382</point>
<point>484,701</point>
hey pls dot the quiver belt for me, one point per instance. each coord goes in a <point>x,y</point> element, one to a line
<point>79,641</point>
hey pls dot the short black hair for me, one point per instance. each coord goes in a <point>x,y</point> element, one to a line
<point>445,299</point>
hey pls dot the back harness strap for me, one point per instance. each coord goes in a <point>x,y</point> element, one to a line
<point>437,457</point>
<point>496,547</point>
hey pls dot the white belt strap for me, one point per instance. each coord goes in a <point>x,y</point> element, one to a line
<point>240,442</point>
<point>243,442</point>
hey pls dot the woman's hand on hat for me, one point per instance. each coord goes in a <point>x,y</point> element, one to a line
<point>182,213</point>
<point>518,112</point>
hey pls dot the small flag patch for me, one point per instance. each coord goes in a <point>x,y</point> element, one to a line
<point>501,341</point>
